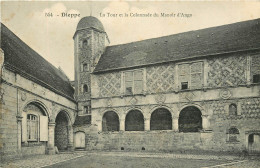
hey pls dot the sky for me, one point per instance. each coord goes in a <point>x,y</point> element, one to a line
<point>52,37</point>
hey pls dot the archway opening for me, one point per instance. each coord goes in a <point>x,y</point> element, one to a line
<point>110,121</point>
<point>161,119</point>
<point>190,119</point>
<point>134,121</point>
<point>61,131</point>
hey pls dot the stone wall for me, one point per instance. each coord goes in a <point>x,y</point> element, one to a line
<point>8,123</point>
<point>166,141</point>
<point>16,92</point>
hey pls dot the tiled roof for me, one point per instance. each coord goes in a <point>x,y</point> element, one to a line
<point>205,42</point>
<point>82,120</point>
<point>19,57</point>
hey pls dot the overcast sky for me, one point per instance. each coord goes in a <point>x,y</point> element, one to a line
<point>52,38</point>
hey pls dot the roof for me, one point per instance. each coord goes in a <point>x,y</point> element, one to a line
<point>82,120</point>
<point>211,41</point>
<point>20,58</point>
<point>90,22</point>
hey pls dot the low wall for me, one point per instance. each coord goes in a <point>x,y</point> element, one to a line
<point>165,141</point>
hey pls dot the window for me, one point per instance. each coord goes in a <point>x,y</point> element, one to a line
<point>85,44</point>
<point>232,109</point>
<point>85,67</point>
<point>85,88</point>
<point>190,75</point>
<point>255,69</point>
<point>86,110</point>
<point>32,127</point>
<point>184,85</point>
<point>232,134</point>
<point>133,82</point>
<point>256,78</point>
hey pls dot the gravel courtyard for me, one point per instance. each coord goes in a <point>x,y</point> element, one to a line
<point>130,160</point>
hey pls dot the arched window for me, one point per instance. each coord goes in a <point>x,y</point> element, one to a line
<point>85,43</point>
<point>161,119</point>
<point>232,109</point>
<point>85,88</point>
<point>134,121</point>
<point>190,120</point>
<point>232,134</point>
<point>110,121</point>
<point>34,124</point>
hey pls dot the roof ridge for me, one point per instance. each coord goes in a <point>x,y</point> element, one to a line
<point>190,31</point>
<point>55,68</point>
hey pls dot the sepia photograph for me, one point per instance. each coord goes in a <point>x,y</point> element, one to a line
<point>129,84</point>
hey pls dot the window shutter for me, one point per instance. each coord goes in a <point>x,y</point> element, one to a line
<point>24,127</point>
<point>43,128</point>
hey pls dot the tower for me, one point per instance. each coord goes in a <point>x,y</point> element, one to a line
<point>90,40</point>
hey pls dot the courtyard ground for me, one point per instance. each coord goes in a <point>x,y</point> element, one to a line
<point>131,160</point>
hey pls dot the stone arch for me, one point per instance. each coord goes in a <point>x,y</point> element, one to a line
<point>161,119</point>
<point>190,119</point>
<point>134,120</point>
<point>63,137</point>
<point>69,115</point>
<point>110,121</point>
<point>162,106</point>
<point>110,109</point>
<point>40,104</point>
<point>202,110</point>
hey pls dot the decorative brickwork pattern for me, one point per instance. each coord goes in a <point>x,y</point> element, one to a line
<point>218,108</point>
<point>110,84</point>
<point>255,66</point>
<point>227,71</point>
<point>250,108</point>
<point>160,79</point>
